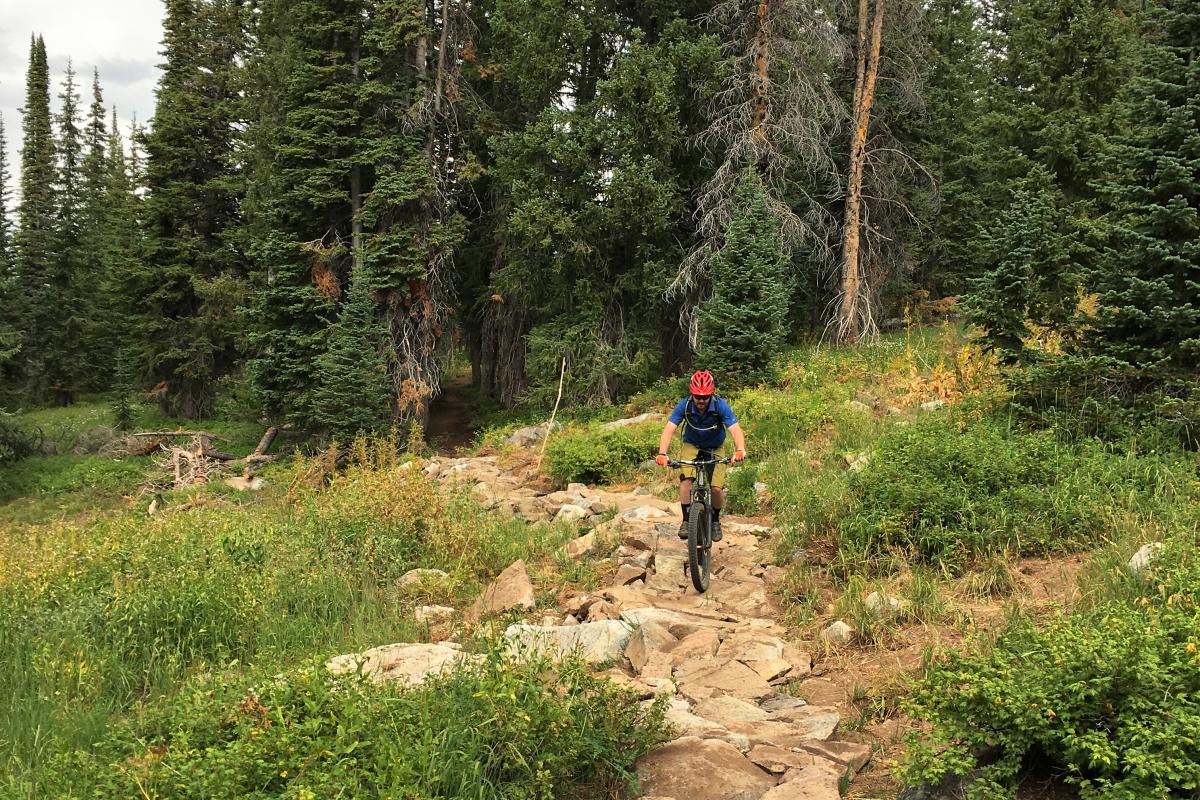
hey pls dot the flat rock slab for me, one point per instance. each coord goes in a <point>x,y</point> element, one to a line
<point>728,710</point>
<point>407,664</point>
<point>709,677</point>
<point>593,641</point>
<point>697,769</point>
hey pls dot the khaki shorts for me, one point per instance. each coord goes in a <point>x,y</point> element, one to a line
<point>688,452</point>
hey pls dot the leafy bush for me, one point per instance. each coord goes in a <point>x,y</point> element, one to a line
<point>949,490</point>
<point>497,729</point>
<point>596,456</point>
<point>1112,695</point>
<point>15,443</point>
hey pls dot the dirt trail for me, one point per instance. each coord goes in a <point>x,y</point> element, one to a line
<point>449,426</point>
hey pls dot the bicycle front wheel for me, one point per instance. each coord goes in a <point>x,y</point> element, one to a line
<point>699,541</point>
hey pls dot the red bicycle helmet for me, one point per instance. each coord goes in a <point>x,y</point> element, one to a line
<point>702,383</point>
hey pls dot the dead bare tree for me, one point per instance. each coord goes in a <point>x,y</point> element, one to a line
<point>879,168</point>
<point>776,115</point>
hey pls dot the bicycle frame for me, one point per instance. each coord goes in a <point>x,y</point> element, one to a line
<point>699,521</point>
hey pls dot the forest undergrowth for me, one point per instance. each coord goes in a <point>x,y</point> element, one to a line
<point>178,655</point>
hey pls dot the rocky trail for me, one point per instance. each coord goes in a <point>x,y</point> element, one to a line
<point>723,658</point>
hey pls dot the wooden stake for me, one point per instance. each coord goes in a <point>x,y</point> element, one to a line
<point>550,425</point>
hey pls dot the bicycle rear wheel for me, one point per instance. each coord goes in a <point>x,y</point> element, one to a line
<point>699,542</point>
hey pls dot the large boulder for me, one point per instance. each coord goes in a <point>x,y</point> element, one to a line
<point>511,589</point>
<point>701,769</point>
<point>638,420</point>
<point>528,436</point>
<point>604,640</point>
<point>408,664</point>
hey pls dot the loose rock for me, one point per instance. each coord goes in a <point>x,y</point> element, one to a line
<point>408,664</point>
<point>511,589</point>
<point>838,633</point>
<point>1143,559</point>
<point>604,640</point>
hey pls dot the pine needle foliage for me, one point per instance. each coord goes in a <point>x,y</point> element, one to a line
<point>742,326</point>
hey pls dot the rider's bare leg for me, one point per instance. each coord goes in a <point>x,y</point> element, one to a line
<point>718,498</point>
<point>685,491</point>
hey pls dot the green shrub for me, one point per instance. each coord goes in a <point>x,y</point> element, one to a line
<point>595,456</point>
<point>1111,695</point>
<point>948,491</point>
<point>497,729</point>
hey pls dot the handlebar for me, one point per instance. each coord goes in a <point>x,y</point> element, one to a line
<point>681,463</point>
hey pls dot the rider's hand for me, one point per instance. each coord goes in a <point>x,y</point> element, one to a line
<point>739,455</point>
<point>661,459</point>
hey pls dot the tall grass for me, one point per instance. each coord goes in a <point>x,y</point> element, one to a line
<point>102,617</point>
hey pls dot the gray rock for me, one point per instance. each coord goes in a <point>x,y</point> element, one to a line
<point>408,664</point>
<point>639,419</point>
<point>882,605</point>
<point>593,641</point>
<point>571,513</point>
<point>526,437</point>
<point>838,633</point>
<point>433,613</point>
<point>859,406</point>
<point>1143,559</point>
<point>933,405</point>
<point>421,575</point>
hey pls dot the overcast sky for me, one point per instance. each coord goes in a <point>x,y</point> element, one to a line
<point>119,37</point>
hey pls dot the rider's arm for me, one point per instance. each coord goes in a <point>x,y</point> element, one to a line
<point>668,432</point>
<point>739,438</point>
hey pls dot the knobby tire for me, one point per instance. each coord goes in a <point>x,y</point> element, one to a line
<point>698,545</point>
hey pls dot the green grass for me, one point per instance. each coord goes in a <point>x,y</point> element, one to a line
<point>40,488</point>
<point>98,618</point>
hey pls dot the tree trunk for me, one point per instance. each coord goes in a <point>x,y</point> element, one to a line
<point>761,78</point>
<point>853,320</point>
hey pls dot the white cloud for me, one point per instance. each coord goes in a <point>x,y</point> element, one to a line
<point>119,37</point>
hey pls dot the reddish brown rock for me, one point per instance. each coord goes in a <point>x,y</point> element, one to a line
<point>698,769</point>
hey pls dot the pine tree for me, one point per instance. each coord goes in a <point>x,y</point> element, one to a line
<point>1032,279</point>
<point>120,252</point>
<point>37,275</point>
<point>953,145</point>
<point>742,326</point>
<point>93,213</point>
<point>1148,325</point>
<point>9,303</point>
<point>6,252</point>
<point>72,302</point>
<point>305,138</point>
<point>190,282</point>
<point>354,392</point>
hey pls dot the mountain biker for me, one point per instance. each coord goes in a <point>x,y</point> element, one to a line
<point>705,418</point>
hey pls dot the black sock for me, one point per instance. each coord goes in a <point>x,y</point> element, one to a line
<point>685,507</point>
<point>716,513</point>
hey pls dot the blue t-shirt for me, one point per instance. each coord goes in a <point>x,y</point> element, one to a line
<point>704,430</point>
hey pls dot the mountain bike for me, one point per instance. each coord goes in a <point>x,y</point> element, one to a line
<point>699,521</point>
